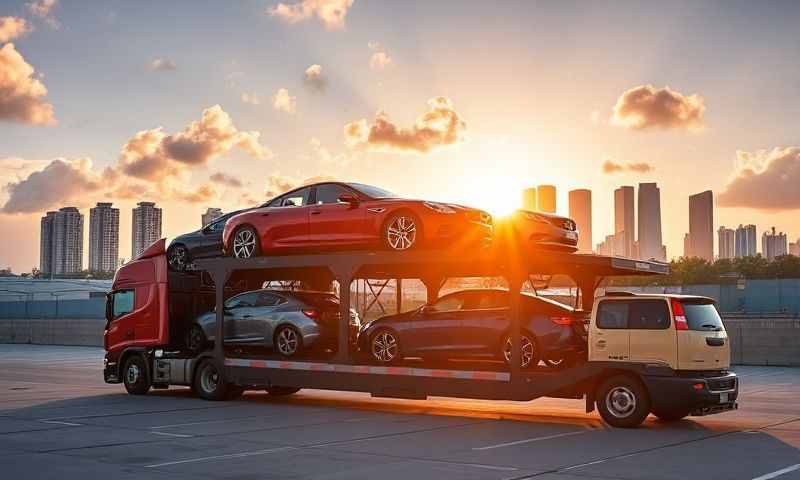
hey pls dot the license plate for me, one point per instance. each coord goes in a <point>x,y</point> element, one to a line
<point>571,235</point>
<point>723,398</point>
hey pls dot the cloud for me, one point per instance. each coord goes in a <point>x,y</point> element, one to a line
<point>161,65</point>
<point>250,99</point>
<point>227,180</point>
<point>60,183</point>
<point>330,12</point>
<point>379,59</point>
<point>765,180</point>
<point>645,107</point>
<point>313,78</point>
<point>284,102</point>
<point>611,167</point>
<point>13,27</point>
<point>439,126</point>
<point>21,93</point>
<point>201,194</point>
<point>278,184</point>
<point>44,10</point>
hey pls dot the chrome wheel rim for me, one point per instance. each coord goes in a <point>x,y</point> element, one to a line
<point>401,233</point>
<point>209,380</point>
<point>288,342</point>
<point>244,243</point>
<point>620,402</point>
<point>132,374</point>
<point>526,350</point>
<point>384,347</point>
<point>178,258</point>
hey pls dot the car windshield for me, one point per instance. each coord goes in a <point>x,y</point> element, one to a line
<point>373,192</point>
<point>701,316</point>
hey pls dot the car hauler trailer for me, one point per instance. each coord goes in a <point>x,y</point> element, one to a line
<point>152,298</point>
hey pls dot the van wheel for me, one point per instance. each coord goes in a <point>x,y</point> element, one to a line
<point>623,402</point>
<point>671,415</point>
<point>277,391</point>
<point>134,376</point>
<point>208,382</point>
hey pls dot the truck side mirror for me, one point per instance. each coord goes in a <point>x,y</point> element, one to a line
<point>109,307</point>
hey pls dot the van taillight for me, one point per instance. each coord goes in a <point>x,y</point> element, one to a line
<point>564,321</point>
<point>678,316</point>
<point>311,313</point>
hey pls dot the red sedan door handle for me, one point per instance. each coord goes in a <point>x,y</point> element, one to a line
<point>265,214</point>
<point>316,212</point>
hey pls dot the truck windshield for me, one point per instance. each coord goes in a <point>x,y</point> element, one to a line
<point>702,316</point>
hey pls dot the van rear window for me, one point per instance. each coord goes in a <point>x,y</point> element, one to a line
<point>702,316</point>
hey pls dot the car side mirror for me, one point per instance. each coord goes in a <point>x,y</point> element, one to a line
<point>348,198</point>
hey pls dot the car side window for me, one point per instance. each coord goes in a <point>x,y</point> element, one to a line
<point>300,198</point>
<point>123,303</point>
<point>242,301</point>
<point>217,226</point>
<point>449,303</point>
<point>612,315</point>
<point>648,315</point>
<point>330,193</point>
<point>266,299</point>
<point>492,300</point>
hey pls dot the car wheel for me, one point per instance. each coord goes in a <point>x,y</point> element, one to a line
<point>277,391</point>
<point>245,243</point>
<point>623,402</point>
<point>671,415</point>
<point>287,341</point>
<point>384,347</point>
<point>134,376</point>
<point>401,232</point>
<point>208,382</point>
<point>196,339</point>
<point>178,258</point>
<point>528,350</point>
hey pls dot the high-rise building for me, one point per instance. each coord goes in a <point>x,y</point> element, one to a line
<point>624,221</point>
<point>794,248</point>
<point>607,246</point>
<point>701,225</point>
<point>745,239</point>
<point>773,244</point>
<point>580,210</point>
<point>210,215</point>
<point>726,242</point>
<point>529,199</point>
<point>687,245</point>
<point>649,226</point>
<point>546,198</point>
<point>61,242</point>
<point>146,227</point>
<point>103,238</point>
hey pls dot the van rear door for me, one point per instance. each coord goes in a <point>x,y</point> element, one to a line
<point>703,343</point>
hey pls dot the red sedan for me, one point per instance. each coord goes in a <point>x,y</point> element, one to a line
<point>351,215</point>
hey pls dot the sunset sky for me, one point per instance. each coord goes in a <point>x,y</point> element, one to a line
<point>198,104</point>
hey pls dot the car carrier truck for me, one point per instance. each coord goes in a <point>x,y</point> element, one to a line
<point>668,355</point>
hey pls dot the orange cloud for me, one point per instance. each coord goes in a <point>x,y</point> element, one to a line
<point>440,126</point>
<point>765,180</point>
<point>44,10</point>
<point>21,93</point>
<point>284,102</point>
<point>330,12</point>
<point>610,167</point>
<point>162,65</point>
<point>13,27</point>
<point>645,107</point>
<point>313,78</point>
<point>227,180</point>
<point>379,59</point>
<point>60,182</point>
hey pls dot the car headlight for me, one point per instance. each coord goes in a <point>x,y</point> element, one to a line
<point>439,207</point>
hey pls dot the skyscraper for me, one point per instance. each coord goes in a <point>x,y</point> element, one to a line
<point>546,198</point>
<point>794,248</point>
<point>745,239</point>
<point>103,238</point>
<point>773,244</point>
<point>624,221</point>
<point>701,225</point>
<point>61,242</point>
<point>146,227</point>
<point>529,199</point>
<point>649,226</point>
<point>687,245</point>
<point>726,242</point>
<point>210,215</point>
<point>580,210</point>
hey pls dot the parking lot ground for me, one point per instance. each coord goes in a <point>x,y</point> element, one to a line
<point>59,420</point>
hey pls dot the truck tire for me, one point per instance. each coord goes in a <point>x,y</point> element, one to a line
<point>623,401</point>
<point>277,391</point>
<point>134,375</point>
<point>671,415</point>
<point>208,382</point>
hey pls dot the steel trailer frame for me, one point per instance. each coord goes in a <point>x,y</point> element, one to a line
<point>432,267</point>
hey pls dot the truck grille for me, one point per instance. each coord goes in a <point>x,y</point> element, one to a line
<point>721,384</point>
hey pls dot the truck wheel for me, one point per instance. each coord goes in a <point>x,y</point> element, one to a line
<point>671,415</point>
<point>134,376</point>
<point>623,402</point>
<point>277,391</point>
<point>208,382</point>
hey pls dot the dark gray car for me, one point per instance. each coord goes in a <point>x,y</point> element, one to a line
<point>203,243</point>
<point>286,322</point>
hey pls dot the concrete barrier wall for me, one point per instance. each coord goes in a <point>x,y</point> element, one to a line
<point>53,331</point>
<point>764,341</point>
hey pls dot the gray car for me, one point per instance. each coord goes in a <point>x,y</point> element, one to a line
<point>287,322</point>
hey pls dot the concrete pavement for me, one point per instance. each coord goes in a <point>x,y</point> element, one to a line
<point>59,420</point>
